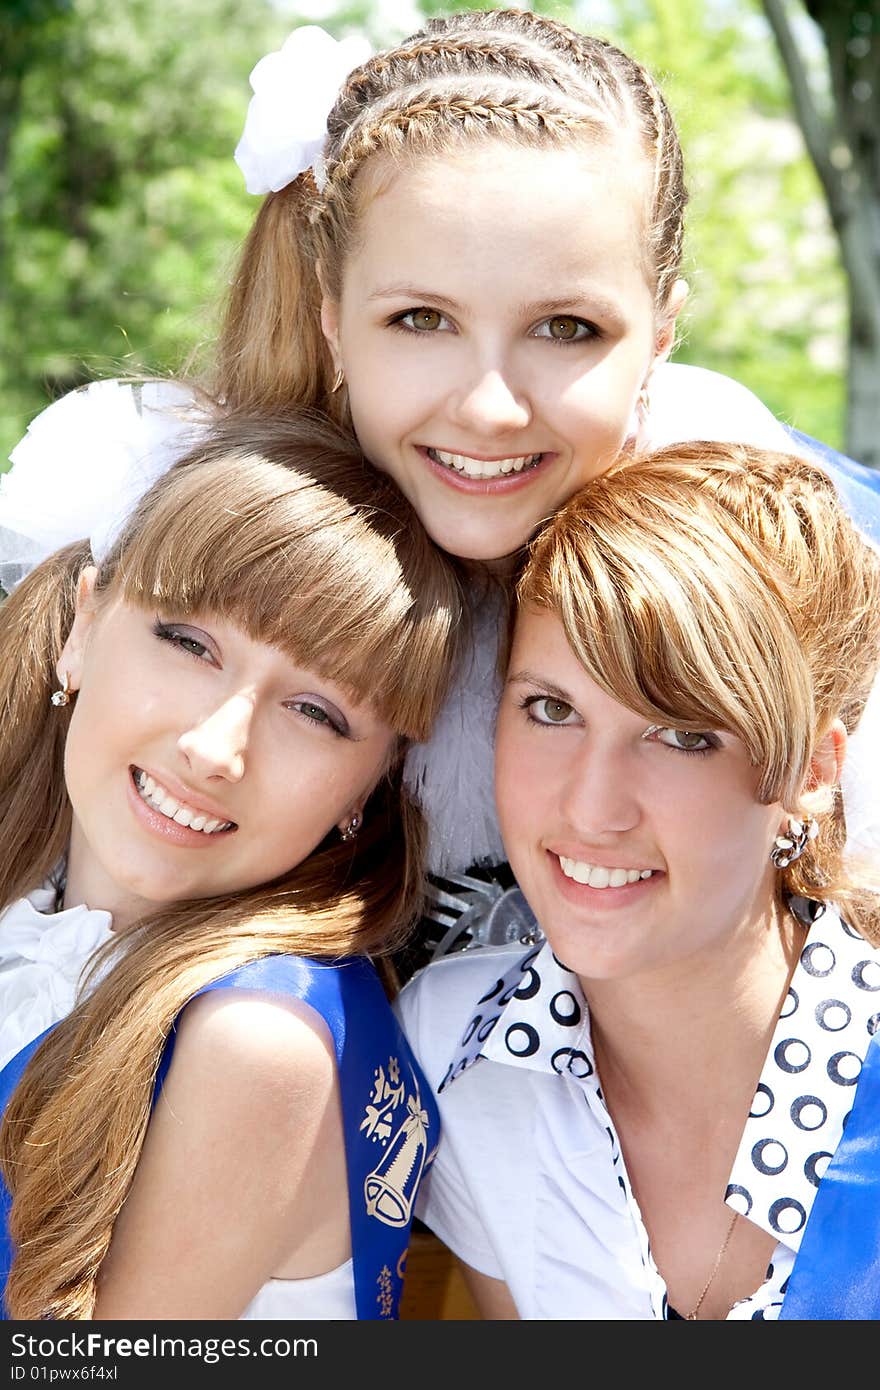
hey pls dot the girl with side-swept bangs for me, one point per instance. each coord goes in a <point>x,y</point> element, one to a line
<point>667,1108</point>
<point>212,802</point>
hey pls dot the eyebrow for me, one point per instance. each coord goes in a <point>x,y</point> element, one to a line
<point>548,687</point>
<point>571,301</point>
<point>414,293</point>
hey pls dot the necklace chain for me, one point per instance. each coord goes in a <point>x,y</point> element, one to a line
<point>692,1315</point>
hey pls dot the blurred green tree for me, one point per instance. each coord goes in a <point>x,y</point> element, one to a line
<point>121,206</point>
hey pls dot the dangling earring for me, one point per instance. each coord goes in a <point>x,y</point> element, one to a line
<point>351,829</point>
<point>337,381</point>
<point>790,846</point>
<point>639,416</point>
<point>62,696</point>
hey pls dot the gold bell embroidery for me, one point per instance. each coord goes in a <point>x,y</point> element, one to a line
<point>390,1189</point>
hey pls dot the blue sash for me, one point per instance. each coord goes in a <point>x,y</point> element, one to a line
<point>389,1115</point>
<point>836,1275</point>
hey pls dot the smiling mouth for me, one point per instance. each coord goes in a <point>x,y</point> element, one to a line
<point>484,468</point>
<point>158,799</point>
<point>598,876</point>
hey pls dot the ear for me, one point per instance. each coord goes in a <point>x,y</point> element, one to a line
<point>70,662</point>
<point>827,761</point>
<point>826,766</point>
<point>329,319</point>
<point>666,326</point>
<point>356,811</point>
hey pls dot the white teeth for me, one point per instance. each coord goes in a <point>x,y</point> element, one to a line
<point>483,468</point>
<point>597,876</point>
<point>161,800</point>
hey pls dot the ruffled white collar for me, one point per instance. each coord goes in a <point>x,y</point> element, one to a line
<point>42,957</point>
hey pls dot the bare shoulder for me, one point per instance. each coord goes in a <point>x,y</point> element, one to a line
<point>246,1049</point>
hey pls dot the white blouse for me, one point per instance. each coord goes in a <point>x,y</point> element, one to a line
<point>530,1185</point>
<point>43,954</point>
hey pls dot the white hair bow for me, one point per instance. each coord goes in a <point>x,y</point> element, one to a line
<point>294,92</point>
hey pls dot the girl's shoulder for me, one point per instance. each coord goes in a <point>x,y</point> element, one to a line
<point>246,1048</point>
<point>688,402</point>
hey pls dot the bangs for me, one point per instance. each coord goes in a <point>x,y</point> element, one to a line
<point>666,613</point>
<point>343,588</point>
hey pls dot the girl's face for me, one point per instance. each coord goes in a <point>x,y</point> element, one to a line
<point>200,762</point>
<point>496,325</point>
<point>638,847</point>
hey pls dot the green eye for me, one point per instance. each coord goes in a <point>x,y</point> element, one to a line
<point>685,740</point>
<point>556,711</point>
<point>315,712</point>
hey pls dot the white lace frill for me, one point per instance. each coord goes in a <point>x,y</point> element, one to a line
<point>84,464</point>
<point>42,957</point>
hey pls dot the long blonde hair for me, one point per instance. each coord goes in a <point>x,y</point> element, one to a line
<point>508,74</point>
<point>723,586</point>
<point>304,547</point>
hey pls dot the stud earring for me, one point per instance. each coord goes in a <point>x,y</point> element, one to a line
<point>790,846</point>
<point>62,696</point>
<point>351,829</point>
<point>337,381</point>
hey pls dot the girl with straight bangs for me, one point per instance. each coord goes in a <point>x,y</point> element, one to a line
<point>209,1111</point>
<point>469,252</point>
<point>669,1105</point>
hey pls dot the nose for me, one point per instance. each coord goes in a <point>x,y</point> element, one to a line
<point>600,793</point>
<point>215,746</point>
<point>490,402</point>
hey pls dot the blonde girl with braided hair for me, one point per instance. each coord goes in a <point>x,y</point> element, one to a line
<point>469,252</point>
<point>670,1105</point>
<point>208,1110</point>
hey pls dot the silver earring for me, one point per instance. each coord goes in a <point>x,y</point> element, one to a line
<point>351,829</point>
<point>62,696</point>
<point>790,846</point>
<point>337,381</point>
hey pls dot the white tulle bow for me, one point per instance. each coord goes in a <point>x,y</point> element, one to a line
<point>294,92</point>
<point>85,463</point>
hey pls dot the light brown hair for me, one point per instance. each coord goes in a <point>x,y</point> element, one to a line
<point>303,546</point>
<point>723,586</point>
<point>504,74</point>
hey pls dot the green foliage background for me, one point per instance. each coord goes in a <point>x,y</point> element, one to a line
<point>121,209</point>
